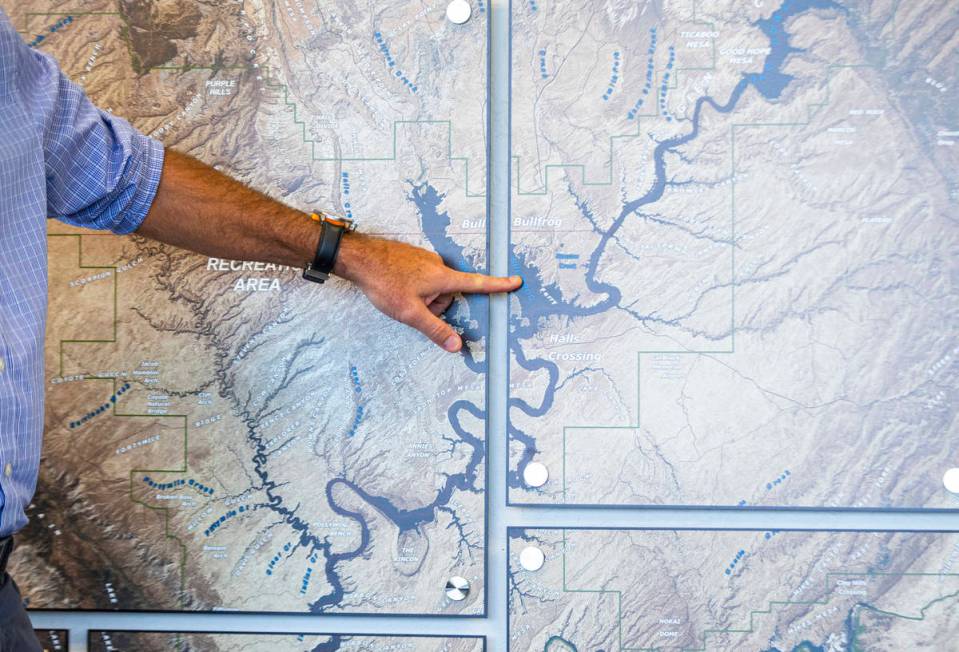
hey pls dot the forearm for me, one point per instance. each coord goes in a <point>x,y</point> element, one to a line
<point>200,209</point>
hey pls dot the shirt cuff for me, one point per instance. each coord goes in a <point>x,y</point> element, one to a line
<point>146,191</point>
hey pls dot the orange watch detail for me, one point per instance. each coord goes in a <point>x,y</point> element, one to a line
<point>323,217</point>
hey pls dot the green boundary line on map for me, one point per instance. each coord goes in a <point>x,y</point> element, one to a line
<point>392,155</point>
<point>278,86</point>
<point>517,162</point>
<point>811,111</point>
<point>113,275</point>
<point>113,380</point>
<point>759,612</point>
<point>166,511</point>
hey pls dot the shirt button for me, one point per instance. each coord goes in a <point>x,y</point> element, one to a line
<point>3,365</point>
<point>8,469</point>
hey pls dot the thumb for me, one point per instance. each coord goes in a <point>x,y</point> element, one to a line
<point>435,328</point>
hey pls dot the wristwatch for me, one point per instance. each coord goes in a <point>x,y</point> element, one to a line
<point>331,233</point>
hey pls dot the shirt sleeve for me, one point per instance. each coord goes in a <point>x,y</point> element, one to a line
<point>101,173</point>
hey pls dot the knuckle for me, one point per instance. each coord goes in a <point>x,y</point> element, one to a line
<point>440,276</point>
<point>438,330</point>
<point>405,313</point>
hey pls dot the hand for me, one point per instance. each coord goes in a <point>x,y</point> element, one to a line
<point>412,285</point>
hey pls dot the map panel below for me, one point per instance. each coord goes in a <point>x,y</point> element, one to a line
<point>726,590</point>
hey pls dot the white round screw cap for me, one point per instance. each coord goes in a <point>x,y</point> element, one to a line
<point>532,558</point>
<point>459,11</point>
<point>950,480</point>
<point>535,474</point>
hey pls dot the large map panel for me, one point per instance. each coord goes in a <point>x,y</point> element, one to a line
<point>724,590</point>
<point>736,222</point>
<point>222,435</point>
<point>106,641</point>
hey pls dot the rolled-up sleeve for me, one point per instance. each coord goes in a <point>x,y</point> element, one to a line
<point>101,173</point>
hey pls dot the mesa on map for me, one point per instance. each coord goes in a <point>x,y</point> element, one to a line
<point>735,222</point>
<point>221,435</point>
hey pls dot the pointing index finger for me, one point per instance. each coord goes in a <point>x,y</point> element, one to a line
<point>481,283</point>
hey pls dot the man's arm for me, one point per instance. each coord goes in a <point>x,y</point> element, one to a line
<point>200,209</point>
<point>102,173</point>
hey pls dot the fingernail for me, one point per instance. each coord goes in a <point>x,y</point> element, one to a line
<point>518,279</point>
<point>452,343</point>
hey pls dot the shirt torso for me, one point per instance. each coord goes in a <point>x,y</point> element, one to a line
<point>61,157</point>
<point>23,300</point>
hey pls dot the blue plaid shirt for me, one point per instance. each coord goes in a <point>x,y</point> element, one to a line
<point>60,157</point>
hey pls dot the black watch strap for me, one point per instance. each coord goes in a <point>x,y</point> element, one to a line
<point>331,234</point>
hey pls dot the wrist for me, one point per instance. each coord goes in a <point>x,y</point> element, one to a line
<point>330,249</point>
<point>349,257</point>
